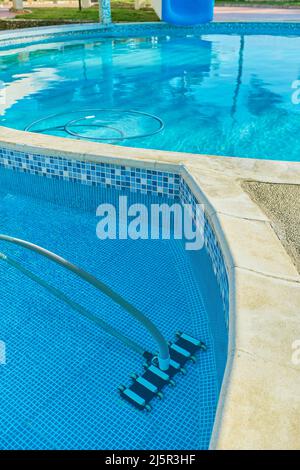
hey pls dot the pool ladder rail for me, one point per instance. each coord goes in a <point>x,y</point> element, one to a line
<point>150,384</point>
<point>160,369</point>
<point>163,356</point>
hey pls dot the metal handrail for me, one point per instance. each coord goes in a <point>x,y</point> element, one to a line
<point>163,357</point>
<point>74,305</point>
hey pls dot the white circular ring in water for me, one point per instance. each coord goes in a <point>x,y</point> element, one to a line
<point>65,127</point>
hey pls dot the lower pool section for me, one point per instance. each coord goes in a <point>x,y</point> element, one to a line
<point>58,387</point>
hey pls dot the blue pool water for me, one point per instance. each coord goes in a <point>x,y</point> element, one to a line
<point>58,389</point>
<point>216,94</point>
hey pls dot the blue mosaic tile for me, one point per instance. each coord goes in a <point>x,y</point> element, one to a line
<point>137,180</point>
<point>212,246</point>
<point>61,401</point>
<point>56,391</point>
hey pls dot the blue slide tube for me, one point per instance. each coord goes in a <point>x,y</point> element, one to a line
<point>187,12</point>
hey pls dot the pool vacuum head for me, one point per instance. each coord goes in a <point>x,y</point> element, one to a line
<point>150,384</point>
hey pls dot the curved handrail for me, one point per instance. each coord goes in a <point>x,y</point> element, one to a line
<point>163,357</point>
<point>74,305</point>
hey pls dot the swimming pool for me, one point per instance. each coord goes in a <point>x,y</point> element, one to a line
<point>60,379</point>
<point>208,93</point>
<point>59,383</point>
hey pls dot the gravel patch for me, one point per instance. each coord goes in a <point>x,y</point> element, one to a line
<point>281,203</point>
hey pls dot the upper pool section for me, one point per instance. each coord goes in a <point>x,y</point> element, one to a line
<point>222,89</point>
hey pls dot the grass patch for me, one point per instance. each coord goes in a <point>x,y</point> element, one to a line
<point>121,11</point>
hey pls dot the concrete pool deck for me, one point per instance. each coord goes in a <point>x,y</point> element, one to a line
<point>225,13</point>
<point>254,14</point>
<point>259,406</point>
<point>281,202</point>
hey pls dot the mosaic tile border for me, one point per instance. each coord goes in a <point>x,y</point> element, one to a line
<point>90,31</point>
<point>212,247</point>
<point>140,180</point>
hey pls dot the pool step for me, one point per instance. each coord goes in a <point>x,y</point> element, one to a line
<point>151,383</point>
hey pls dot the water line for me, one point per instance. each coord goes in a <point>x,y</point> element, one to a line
<point>163,357</point>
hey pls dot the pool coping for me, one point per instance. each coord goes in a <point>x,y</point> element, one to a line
<point>261,384</point>
<point>46,33</point>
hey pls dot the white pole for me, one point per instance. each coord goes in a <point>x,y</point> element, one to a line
<point>18,5</point>
<point>139,4</point>
<point>86,4</point>
<point>157,7</point>
<point>105,11</point>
